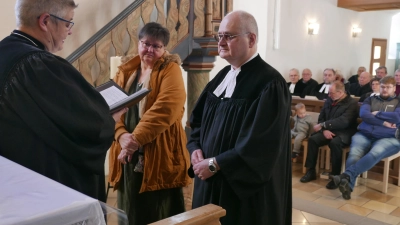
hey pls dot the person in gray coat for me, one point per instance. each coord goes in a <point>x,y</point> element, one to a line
<point>302,125</point>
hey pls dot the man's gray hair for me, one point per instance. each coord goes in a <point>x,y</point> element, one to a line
<point>28,11</point>
<point>294,69</point>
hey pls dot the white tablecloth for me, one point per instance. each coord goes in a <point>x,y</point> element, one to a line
<point>27,197</point>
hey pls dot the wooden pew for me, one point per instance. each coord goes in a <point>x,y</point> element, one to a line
<point>311,105</point>
<point>205,215</point>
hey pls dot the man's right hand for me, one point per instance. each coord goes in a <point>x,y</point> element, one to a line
<point>197,156</point>
<point>328,134</point>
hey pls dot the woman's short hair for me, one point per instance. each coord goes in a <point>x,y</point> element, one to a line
<point>374,79</point>
<point>27,11</point>
<point>156,31</point>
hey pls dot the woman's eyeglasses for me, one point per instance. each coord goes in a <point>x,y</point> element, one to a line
<point>154,46</point>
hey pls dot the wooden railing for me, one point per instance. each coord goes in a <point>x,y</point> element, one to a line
<point>205,215</point>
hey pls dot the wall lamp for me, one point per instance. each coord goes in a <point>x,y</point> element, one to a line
<point>313,28</point>
<point>356,31</point>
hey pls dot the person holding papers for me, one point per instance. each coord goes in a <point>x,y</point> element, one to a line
<point>52,120</point>
<point>148,159</point>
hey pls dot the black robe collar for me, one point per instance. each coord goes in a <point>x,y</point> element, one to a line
<point>28,38</point>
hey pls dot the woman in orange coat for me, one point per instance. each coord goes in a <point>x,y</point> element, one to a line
<point>149,159</point>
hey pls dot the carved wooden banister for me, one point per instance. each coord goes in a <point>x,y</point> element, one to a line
<point>120,36</point>
<point>205,215</point>
<point>185,19</point>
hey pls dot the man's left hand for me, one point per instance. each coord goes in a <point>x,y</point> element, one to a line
<point>201,169</point>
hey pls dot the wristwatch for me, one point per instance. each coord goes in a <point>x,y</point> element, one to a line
<point>211,166</point>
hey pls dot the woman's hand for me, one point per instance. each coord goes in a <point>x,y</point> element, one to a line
<point>128,143</point>
<point>117,115</point>
<point>124,157</point>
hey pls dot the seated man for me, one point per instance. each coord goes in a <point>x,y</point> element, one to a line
<point>308,82</point>
<point>354,79</point>
<point>295,87</point>
<point>375,138</point>
<point>321,90</point>
<point>381,72</point>
<point>362,86</point>
<point>337,123</point>
<point>397,78</point>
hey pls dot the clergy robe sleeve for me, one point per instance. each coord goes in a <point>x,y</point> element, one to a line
<point>63,109</point>
<point>262,142</point>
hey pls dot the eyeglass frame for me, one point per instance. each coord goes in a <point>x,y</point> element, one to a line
<point>154,46</point>
<point>228,37</point>
<point>59,18</point>
<point>386,87</point>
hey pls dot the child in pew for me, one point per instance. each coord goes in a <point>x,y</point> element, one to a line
<point>302,125</point>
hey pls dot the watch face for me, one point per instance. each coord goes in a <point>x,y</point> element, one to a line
<point>212,168</point>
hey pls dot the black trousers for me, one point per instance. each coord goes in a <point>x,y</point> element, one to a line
<point>336,145</point>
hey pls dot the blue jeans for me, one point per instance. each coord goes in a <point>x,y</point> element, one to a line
<point>366,152</point>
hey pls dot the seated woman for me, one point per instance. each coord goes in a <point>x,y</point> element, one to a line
<point>375,86</point>
<point>148,159</point>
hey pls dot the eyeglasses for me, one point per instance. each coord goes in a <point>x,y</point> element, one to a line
<point>386,87</point>
<point>154,46</point>
<point>227,37</point>
<point>70,23</point>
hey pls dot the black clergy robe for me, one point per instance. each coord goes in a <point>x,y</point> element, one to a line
<point>298,88</point>
<point>249,135</point>
<point>52,120</point>
<point>357,90</point>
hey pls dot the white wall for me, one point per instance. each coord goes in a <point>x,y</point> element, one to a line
<point>333,47</point>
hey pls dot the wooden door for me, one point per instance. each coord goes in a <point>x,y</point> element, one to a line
<point>378,54</point>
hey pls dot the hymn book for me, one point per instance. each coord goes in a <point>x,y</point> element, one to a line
<point>117,98</point>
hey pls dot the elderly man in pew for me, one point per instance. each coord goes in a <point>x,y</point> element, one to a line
<point>309,83</point>
<point>376,138</point>
<point>354,79</point>
<point>362,86</point>
<point>337,122</point>
<point>295,87</point>
<point>321,91</point>
<point>381,72</point>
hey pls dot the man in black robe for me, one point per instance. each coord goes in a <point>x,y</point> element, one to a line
<point>309,83</point>
<point>295,87</point>
<point>321,91</point>
<point>52,120</point>
<point>240,139</point>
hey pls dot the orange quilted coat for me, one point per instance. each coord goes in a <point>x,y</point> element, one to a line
<point>160,130</point>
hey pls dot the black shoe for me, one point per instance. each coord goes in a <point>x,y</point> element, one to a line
<point>295,155</point>
<point>331,185</point>
<point>335,179</point>
<point>310,175</point>
<point>344,187</point>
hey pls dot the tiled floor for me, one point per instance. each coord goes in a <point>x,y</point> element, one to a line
<point>368,205</point>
